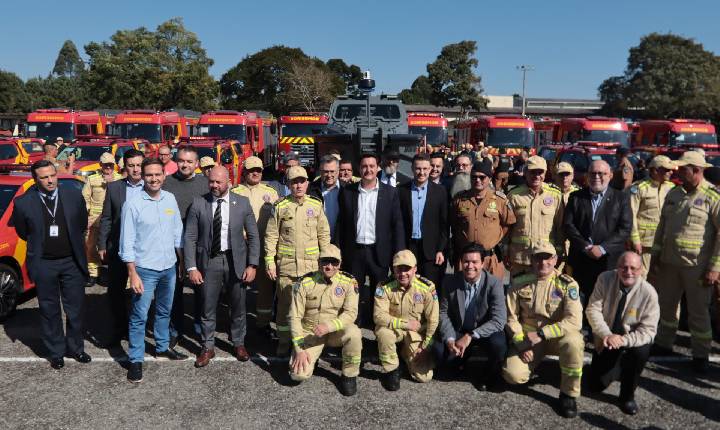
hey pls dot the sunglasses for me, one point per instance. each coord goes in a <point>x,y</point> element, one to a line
<point>330,261</point>
<point>480,177</point>
<point>254,170</point>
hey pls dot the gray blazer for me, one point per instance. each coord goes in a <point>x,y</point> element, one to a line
<point>491,312</point>
<point>198,233</point>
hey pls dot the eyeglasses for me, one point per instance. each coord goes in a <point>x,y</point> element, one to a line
<point>597,173</point>
<point>479,177</point>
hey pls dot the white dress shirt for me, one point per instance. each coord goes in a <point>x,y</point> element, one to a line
<point>225,215</point>
<point>388,180</point>
<point>365,223</point>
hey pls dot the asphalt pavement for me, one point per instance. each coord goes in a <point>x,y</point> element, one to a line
<point>257,394</point>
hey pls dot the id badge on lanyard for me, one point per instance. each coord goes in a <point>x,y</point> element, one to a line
<point>54,229</point>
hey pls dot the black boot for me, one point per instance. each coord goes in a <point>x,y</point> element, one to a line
<point>391,380</point>
<point>348,386</point>
<point>568,407</point>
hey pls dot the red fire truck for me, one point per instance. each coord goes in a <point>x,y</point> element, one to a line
<point>251,130</point>
<point>675,132</point>
<point>49,124</point>
<point>155,127</point>
<point>296,133</point>
<point>593,129</point>
<point>433,126</point>
<point>512,132</point>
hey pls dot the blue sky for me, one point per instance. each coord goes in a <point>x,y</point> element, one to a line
<point>573,45</point>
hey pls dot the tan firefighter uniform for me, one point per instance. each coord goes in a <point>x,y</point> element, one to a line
<point>539,219</point>
<point>296,233</point>
<point>564,167</point>
<point>687,247</point>
<point>335,304</point>
<point>646,202</point>
<point>262,197</point>
<point>552,306</point>
<point>94,193</point>
<point>394,307</point>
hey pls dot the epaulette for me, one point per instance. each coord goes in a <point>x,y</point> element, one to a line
<point>347,275</point>
<point>423,283</point>
<point>551,188</point>
<point>517,190</point>
<point>464,194</point>
<point>268,187</point>
<point>712,193</point>
<point>522,279</point>
<point>500,194</point>
<point>313,200</point>
<point>283,201</point>
<point>670,183</point>
<point>566,278</point>
<point>387,281</point>
<point>239,189</point>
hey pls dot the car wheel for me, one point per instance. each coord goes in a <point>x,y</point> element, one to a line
<point>9,291</point>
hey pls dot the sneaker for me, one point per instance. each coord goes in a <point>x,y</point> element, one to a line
<point>348,386</point>
<point>134,374</point>
<point>568,406</point>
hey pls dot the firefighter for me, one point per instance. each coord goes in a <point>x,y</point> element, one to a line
<point>406,311</point>
<point>646,201</point>
<point>297,232</point>
<point>623,174</point>
<point>323,311</point>
<point>686,258</point>
<point>538,210</point>
<point>94,193</point>
<point>564,177</point>
<point>545,317</point>
<point>262,197</point>
<point>206,165</point>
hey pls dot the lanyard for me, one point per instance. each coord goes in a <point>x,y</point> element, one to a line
<point>52,213</point>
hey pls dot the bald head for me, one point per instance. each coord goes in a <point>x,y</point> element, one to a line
<point>599,176</point>
<point>218,181</point>
<point>629,268</point>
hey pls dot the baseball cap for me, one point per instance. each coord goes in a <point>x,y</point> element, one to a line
<point>206,162</point>
<point>662,161</point>
<point>404,258</point>
<point>485,168</point>
<point>331,251</point>
<point>692,158</point>
<point>544,248</point>
<point>107,158</point>
<point>564,167</point>
<point>252,163</point>
<point>536,162</point>
<point>296,172</point>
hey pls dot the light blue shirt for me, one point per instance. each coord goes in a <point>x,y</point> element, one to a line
<point>133,190</point>
<point>595,200</point>
<point>150,231</point>
<point>331,205</point>
<point>418,197</point>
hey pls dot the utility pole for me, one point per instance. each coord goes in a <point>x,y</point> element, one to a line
<point>524,68</point>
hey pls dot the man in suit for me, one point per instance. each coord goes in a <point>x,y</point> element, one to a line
<point>327,189</point>
<point>424,208</point>
<point>118,192</point>
<point>53,222</point>
<point>473,312</point>
<point>222,251</point>
<point>369,230</point>
<point>597,222</point>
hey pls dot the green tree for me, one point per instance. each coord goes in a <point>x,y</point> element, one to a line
<point>311,86</point>
<point>68,62</point>
<point>13,97</point>
<point>164,69</point>
<point>666,76</point>
<point>452,79</point>
<point>349,74</point>
<point>60,91</point>
<point>420,92</point>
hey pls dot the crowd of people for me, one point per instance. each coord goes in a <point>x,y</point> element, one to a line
<point>536,267</point>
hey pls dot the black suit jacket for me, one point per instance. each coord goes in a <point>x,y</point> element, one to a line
<point>109,232</point>
<point>29,223</point>
<point>389,230</point>
<point>610,230</point>
<point>434,223</point>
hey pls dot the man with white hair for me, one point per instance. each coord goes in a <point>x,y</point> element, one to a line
<point>623,312</point>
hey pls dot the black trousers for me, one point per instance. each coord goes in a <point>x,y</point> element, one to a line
<point>586,274</point>
<point>220,275</point>
<point>366,265</point>
<point>63,281</point>
<point>177,314</point>
<point>427,268</point>
<point>625,364</point>
<point>118,297</point>
<point>494,347</point>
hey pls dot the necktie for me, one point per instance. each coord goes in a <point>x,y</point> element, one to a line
<point>470,308</point>
<point>217,228</point>
<point>617,327</point>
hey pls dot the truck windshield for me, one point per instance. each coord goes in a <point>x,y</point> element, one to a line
<point>351,111</point>
<point>684,138</point>
<point>607,136</point>
<point>7,192</point>
<point>433,135</point>
<point>8,151</point>
<point>51,130</point>
<point>206,151</point>
<point>85,153</point>
<point>302,130</point>
<point>226,131</point>
<point>151,132</point>
<point>498,137</point>
<point>31,147</point>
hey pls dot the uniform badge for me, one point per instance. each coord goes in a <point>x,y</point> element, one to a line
<point>310,213</point>
<point>557,294</point>
<point>699,201</point>
<point>339,291</point>
<point>634,189</point>
<point>548,201</point>
<point>266,197</point>
<point>492,205</point>
<point>632,312</point>
<point>434,295</point>
<point>573,293</point>
<point>379,292</point>
<point>417,298</point>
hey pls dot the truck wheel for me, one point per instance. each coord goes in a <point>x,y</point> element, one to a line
<point>9,293</point>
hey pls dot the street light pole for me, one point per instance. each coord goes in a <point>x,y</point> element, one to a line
<point>524,68</point>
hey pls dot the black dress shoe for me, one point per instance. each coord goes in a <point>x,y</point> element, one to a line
<point>629,407</point>
<point>57,363</point>
<point>391,380</point>
<point>348,386</point>
<point>171,354</point>
<point>82,357</point>
<point>568,407</point>
<point>134,374</point>
<point>173,342</point>
<point>91,281</point>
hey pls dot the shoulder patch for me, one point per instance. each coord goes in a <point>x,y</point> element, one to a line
<point>379,291</point>
<point>634,189</point>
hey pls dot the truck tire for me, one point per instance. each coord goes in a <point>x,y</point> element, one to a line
<point>9,290</point>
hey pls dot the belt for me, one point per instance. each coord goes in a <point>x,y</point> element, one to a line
<point>219,253</point>
<point>363,246</point>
